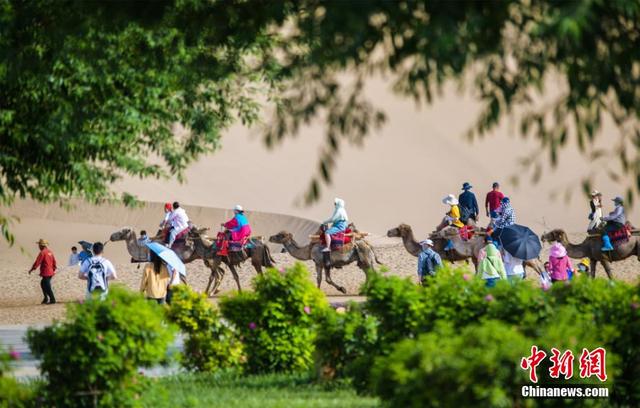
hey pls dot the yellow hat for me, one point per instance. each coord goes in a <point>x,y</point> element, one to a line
<point>42,242</point>
<point>585,262</point>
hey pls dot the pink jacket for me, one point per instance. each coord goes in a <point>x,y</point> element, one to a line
<point>558,268</point>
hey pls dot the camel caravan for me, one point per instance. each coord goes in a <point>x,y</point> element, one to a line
<point>502,249</point>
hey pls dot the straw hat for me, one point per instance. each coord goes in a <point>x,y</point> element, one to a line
<point>43,242</point>
<point>450,200</point>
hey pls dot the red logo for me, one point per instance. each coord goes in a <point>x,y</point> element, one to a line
<point>591,363</point>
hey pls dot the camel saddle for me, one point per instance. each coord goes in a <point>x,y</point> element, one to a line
<point>621,235</point>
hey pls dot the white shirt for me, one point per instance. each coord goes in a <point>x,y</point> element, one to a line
<point>97,271</point>
<point>179,219</point>
<point>512,265</point>
<point>74,259</point>
<point>166,219</point>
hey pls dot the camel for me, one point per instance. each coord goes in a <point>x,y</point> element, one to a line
<point>203,246</point>
<point>360,252</point>
<point>591,248</point>
<point>462,250</point>
<point>140,253</point>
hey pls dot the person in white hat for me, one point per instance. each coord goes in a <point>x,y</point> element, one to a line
<point>238,227</point>
<point>339,221</point>
<point>595,216</point>
<point>453,215</point>
<point>428,260</point>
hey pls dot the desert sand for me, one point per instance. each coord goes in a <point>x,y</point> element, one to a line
<point>400,175</point>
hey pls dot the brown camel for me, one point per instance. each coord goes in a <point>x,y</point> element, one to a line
<point>591,248</point>
<point>258,253</point>
<point>140,253</point>
<point>462,250</point>
<point>360,252</point>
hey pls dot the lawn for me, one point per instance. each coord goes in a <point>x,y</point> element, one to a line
<point>264,391</point>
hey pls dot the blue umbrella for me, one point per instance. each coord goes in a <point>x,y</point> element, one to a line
<point>519,241</point>
<point>168,256</point>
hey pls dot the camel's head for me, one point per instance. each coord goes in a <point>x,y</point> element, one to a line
<point>122,235</point>
<point>195,232</point>
<point>281,237</point>
<point>556,235</point>
<point>400,231</point>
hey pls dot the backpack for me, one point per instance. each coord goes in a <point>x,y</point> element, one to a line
<point>97,276</point>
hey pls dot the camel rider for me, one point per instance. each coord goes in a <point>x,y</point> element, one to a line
<point>453,215</point>
<point>468,204</point>
<point>179,222</point>
<point>615,221</point>
<point>595,216</point>
<point>506,214</point>
<point>168,208</point>
<point>238,226</point>
<point>339,221</point>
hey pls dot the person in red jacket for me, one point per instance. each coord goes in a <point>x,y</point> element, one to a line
<point>47,264</point>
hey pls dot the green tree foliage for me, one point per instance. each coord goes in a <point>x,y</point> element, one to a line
<point>90,91</point>
<point>12,393</point>
<point>94,355</point>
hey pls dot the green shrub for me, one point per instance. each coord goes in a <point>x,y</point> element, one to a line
<point>450,368</point>
<point>344,342</point>
<point>277,321</point>
<point>12,393</point>
<point>97,351</point>
<point>210,344</point>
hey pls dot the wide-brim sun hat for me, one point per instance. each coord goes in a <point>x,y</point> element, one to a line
<point>617,199</point>
<point>42,242</point>
<point>450,200</point>
<point>467,186</point>
<point>426,242</point>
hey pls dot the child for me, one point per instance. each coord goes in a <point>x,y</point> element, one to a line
<point>559,263</point>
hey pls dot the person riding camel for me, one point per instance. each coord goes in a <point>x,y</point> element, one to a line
<point>339,221</point>
<point>615,221</point>
<point>451,218</point>
<point>165,223</point>
<point>595,216</point>
<point>468,204</point>
<point>237,229</point>
<point>506,214</point>
<point>453,215</point>
<point>179,222</point>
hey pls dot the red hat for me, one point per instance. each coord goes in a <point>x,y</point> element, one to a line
<point>168,207</point>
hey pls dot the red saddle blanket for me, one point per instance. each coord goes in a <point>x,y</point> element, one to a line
<point>338,240</point>
<point>620,236</point>
<point>224,245</point>
<point>466,232</point>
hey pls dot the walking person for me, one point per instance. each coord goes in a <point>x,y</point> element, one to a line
<point>468,204</point>
<point>428,261</point>
<point>155,279</point>
<point>491,268</point>
<point>46,261</point>
<point>559,263</point>
<point>97,271</point>
<point>74,257</point>
<point>493,200</point>
<point>513,267</point>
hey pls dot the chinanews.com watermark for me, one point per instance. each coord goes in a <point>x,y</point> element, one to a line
<point>591,364</point>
